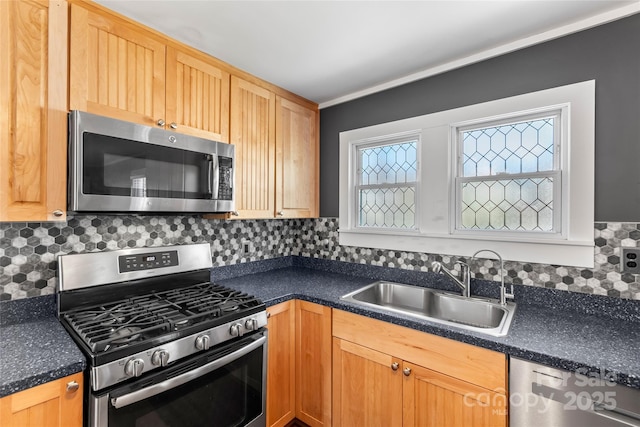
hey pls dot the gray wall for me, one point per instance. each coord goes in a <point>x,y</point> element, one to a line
<point>610,54</point>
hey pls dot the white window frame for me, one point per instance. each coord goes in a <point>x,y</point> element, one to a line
<point>560,166</point>
<point>435,232</point>
<point>356,166</point>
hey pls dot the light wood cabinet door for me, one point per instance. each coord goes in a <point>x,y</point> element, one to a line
<point>297,160</point>
<point>367,390</point>
<point>253,134</point>
<point>116,69</point>
<point>197,100</point>
<point>281,397</point>
<point>53,404</point>
<point>33,117</point>
<point>432,399</point>
<point>313,364</point>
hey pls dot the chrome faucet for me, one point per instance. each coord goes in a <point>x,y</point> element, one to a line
<point>503,292</point>
<point>464,284</point>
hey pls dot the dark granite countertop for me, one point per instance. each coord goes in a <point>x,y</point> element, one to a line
<point>552,334</point>
<point>34,347</point>
<point>560,329</point>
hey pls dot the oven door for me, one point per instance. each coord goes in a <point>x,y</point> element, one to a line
<point>225,387</point>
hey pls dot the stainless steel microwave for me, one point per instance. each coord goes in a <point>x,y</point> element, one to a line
<point>117,166</point>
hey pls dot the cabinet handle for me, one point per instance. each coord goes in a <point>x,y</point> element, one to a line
<point>406,372</point>
<point>58,213</point>
<point>280,213</point>
<point>395,366</point>
<point>235,213</point>
<point>72,386</point>
<point>160,122</point>
<point>268,314</point>
<point>173,125</point>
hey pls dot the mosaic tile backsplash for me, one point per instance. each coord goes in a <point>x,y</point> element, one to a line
<point>28,251</point>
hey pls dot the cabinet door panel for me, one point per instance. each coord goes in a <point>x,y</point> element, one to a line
<point>115,70</point>
<point>197,96</point>
<point>367,392</point>
<point>313,364</point>
<point>432,399</point>
<point>297,160</point>
<point>253,133</point>
<point>33,119</point>
<point>49,404</point>
<point>281,364</point>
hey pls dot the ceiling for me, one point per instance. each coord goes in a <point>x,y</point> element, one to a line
<point>334,50</point>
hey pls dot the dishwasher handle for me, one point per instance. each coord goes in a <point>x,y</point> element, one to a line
<point>619,415</point>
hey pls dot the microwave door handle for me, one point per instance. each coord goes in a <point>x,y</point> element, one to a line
<point>214,176</point>
<point>147,392</point>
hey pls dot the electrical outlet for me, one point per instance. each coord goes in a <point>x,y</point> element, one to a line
<point>630,262</point>
<point>246,247</point>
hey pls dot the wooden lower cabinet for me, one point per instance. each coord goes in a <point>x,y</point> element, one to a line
<point>53,404</point>
<point>367,391</point>
<point>313,364</point>
<point>388,375</point>
<point>281,397</point>
<point>299,364</point>
<point>432,399</point>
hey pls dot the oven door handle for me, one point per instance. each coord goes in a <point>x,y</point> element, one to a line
<point>136,396</point>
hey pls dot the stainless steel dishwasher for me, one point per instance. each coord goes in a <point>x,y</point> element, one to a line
<point>543,396</point>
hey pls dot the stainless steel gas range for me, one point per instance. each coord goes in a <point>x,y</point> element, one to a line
<point>166,347</point>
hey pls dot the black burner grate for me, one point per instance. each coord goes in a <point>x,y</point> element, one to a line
<point>139,318</point>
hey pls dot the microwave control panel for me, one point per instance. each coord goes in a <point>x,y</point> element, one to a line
<point>147,261</point>
<point>225,189</point>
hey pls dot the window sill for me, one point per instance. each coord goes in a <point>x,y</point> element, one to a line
<point>575,253</point>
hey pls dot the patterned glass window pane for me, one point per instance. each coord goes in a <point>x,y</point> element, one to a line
<point>387,175</point>
<point>387,207</point>
<point>515,148</point>
<point>388,164</point>
<point>508,179</point>
<point>515,205</point>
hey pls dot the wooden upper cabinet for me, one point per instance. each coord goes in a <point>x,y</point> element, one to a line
<point>197,96</point>
<point>116,69</point>
<point>297,160</point>
<point>54,404</point>
<point>33,117</point>
<point>253,134</point>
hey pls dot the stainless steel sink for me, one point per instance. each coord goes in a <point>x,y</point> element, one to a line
<point>475,314</point>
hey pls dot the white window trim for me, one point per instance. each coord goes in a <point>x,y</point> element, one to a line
<point>354,186</point>
<point>434,234</point>
<point>560,170</point>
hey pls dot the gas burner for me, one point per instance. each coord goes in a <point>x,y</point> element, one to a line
<point>125,335</point>
<point>229,306</point>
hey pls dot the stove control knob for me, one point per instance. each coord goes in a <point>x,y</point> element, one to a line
<point>134,367</point>
<point>236,330</point>
<point>160,358</point>
<point>251,324</point>
<point>203,342</point>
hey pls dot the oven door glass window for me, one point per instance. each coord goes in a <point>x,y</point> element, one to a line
<point>118,167</point>
<point>231,395</point>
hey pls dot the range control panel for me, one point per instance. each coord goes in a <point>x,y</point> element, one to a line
<point>147,261</point>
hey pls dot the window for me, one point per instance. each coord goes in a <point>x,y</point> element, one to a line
<point>387,174</point>
<point>508,175</point>
<point>515,175</point>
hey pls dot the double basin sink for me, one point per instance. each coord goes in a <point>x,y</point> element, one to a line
<point>473,314</point>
